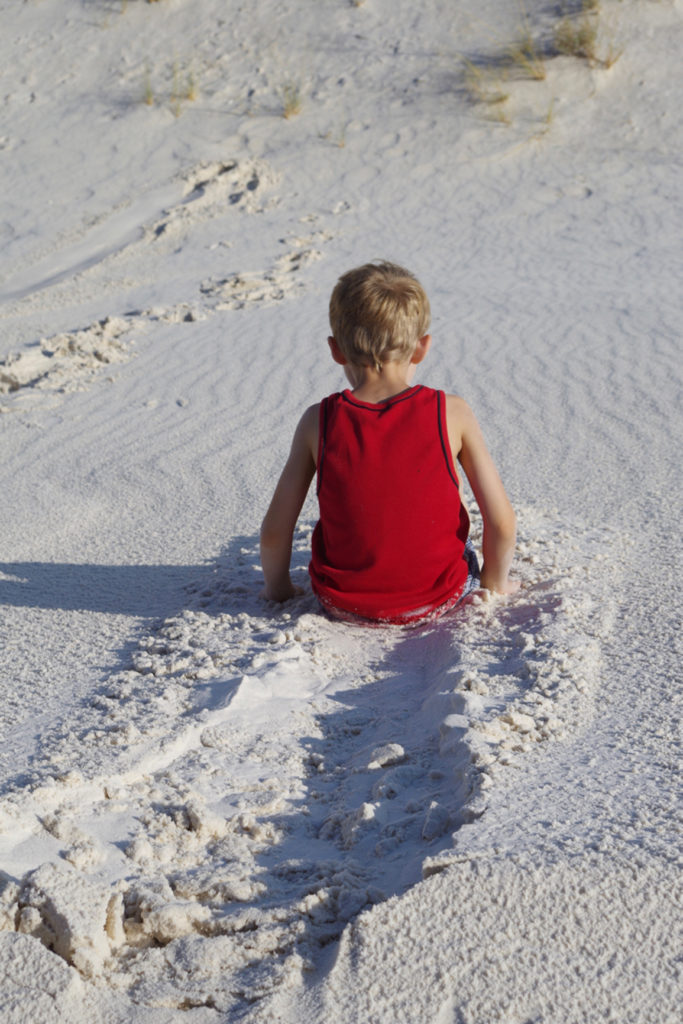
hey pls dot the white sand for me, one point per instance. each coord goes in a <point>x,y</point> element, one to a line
<point>212,809</point>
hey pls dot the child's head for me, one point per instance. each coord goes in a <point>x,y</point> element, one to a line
<point>378,312</point>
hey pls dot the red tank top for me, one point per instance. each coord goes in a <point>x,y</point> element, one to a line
<point>390,540</point>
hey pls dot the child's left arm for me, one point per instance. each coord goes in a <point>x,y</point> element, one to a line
<point>469,447</point>
<point>277,529</point>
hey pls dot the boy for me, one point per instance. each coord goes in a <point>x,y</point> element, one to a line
<point>391,544</point>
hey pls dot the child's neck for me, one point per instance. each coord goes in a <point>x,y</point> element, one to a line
<point>373,386</point>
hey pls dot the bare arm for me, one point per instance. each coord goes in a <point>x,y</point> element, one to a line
<point>278,525</point>
<point>500,526</point>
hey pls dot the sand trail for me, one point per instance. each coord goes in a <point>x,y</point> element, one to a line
<point>256,778</point>
<point>217,810</point>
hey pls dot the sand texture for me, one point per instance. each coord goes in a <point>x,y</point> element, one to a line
<point>216,809</point>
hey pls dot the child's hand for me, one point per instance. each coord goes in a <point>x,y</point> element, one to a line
<point>506,587</point>
<point>285,592</point>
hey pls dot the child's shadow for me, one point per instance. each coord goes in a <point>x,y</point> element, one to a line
<point>138,590</point>
<point>135,590</point>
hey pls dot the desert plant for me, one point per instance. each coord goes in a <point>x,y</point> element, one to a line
<point>337,138</point>
<point>482,85</point>
<point>183,87</point>
<point>526,55</point>
<point>175,90</point>
<point>550,114</point>
<point>292,99</point>
<point>577,39</point>
<point>497,114</point>
<point>191,88</point>
<point>148,91</point>
<point>611,56</point>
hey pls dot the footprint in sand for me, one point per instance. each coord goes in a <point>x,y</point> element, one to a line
<point>283,280</point>
<point>211,189</point>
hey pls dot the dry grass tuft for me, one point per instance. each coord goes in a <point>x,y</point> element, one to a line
<point>483,85</point>
<point>148,90</point>
<point>488,79</point>
<point>337,138</point>
<point>183,88</point>
<point>526,55</point>
<point>578,37</point>
<point>191,88</point>
<point>292,99</point>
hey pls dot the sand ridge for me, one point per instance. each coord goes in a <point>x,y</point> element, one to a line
<point>215,809</point>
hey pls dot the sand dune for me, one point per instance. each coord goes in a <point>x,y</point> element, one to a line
<point>216,809</point>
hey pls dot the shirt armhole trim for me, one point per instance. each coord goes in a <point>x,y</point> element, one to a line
<point>443,435</point>
<point>321,442</point>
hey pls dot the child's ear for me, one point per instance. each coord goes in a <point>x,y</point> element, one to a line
<point>421,349</point>
<point>337,353</point>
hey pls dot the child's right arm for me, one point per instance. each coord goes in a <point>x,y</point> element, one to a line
<point>500,526</point>
<point>278,525</point>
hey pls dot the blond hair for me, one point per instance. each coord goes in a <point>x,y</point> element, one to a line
<point>378,312</point>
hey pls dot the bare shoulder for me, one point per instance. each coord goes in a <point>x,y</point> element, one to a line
<point>306,435</point>
<point>310,420</point>
<point>457,407</point>
<point>460,419</point>
<point>310,417</point>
